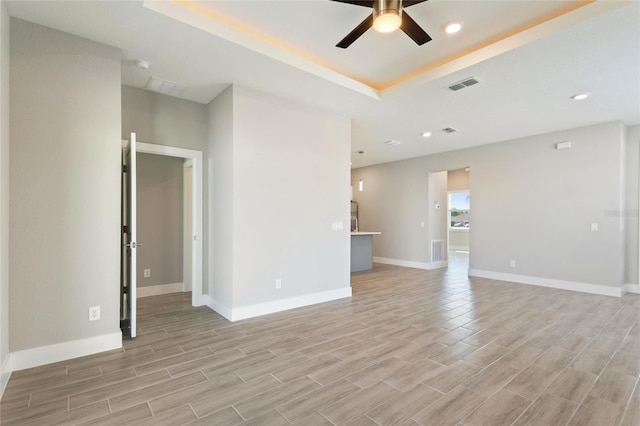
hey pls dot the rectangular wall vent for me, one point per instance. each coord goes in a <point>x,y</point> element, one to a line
<point>462,84</point>
<point>437,250</point>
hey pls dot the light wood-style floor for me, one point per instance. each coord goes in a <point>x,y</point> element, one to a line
<point>411,347</point>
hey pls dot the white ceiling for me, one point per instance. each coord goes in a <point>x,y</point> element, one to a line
<point>529,55</point>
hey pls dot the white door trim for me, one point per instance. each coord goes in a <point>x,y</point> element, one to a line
<point>197,298</point>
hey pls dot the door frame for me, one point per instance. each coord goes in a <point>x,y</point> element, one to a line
<point>197,188</point>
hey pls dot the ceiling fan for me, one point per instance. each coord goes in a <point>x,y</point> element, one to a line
<point>387,16</point>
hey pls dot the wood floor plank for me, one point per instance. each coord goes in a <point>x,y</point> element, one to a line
<point>410,347</point>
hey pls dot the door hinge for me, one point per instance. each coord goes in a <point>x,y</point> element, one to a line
<point>124,168</point>
<point>125,229</point>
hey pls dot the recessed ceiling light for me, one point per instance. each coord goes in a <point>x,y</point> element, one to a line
<point>359,152</point>
<point>580,96</point>
<point>453,27</point>
<point>425,134</point>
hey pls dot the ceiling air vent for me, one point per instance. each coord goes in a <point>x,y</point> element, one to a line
<point>165,87</point>
<point>449,130</point>
<point>463,84</point>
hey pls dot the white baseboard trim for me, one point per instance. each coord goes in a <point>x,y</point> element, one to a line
<point>251,311</point>
<point>548,282</point>
<point>5,374</point>
<point>411,263</point>
<point>632,288</point>
<point>42,355</point>
<point>200,299</point>
<point>219,307</point>
<point>155,290</point>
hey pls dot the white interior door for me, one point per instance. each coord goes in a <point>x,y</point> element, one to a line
<point>130,245</point>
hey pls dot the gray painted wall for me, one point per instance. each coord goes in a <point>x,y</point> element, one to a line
<point>65,187</point>
<point>164,120</point>
<point>221,197</point>
<point>160,206</point>
<point>4,186</point>
<point>284,181</point>
<point>555,195</point>
<point>630,212</point>
<point>438,208</point>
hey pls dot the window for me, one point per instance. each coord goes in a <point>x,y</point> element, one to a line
<point>459,206</point>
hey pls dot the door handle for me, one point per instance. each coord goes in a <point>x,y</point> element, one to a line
<point>133,244</point>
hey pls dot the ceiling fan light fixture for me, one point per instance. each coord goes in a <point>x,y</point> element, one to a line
<point>387,15</point>
<point>387,22</point>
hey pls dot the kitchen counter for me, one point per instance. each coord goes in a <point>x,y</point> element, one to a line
<point>362,250</point>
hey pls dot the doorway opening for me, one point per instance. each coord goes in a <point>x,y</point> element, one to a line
<point>189,207</point>
<point>193,167</point>
<point>449,220</point>
<point>458,217</point>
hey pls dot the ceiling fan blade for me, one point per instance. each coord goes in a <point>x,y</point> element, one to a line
<point>356,33</point>
<point>407,3</point>
<point>364,3</point>
<point>413,30</point>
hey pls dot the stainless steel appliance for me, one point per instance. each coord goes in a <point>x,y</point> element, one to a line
<point>354,216</point>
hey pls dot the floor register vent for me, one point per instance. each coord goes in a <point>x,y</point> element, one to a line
<point>437,250</point>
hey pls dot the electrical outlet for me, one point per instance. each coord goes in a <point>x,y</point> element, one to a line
<point>513,263</point>
<point>94,313</point>
<point>278,283</point>
<point>147,273</point>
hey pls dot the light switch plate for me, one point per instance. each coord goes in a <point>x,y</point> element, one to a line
<point>337,226</point>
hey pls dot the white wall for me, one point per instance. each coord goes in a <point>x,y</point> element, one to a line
<point>4,195</point>
<point>284,170</point>
<point>65,194</point>
<point>531,203</point>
